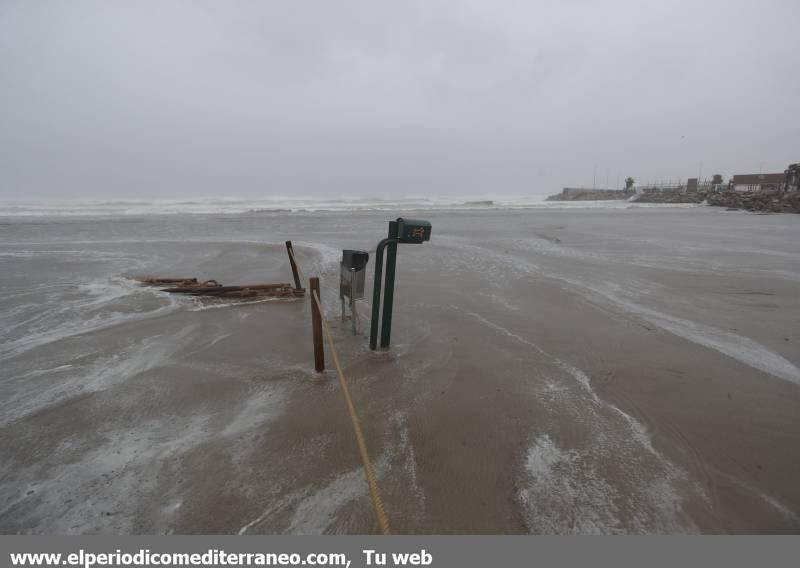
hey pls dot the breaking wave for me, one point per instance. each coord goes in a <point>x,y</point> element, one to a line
<point>294,205</point>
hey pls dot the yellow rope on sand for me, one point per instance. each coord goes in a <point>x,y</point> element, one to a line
<point>362,446</point>
<point>377,504</point>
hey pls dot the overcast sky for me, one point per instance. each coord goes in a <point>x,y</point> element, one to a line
<point>175,99</point>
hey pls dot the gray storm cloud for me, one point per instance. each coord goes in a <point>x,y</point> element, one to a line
<point>176,99</point>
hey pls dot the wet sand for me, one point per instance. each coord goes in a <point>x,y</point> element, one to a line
<point>622,371</point>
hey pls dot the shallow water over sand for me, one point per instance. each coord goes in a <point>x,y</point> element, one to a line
<point>594,370</point>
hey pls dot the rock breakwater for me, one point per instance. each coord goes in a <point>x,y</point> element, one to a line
<point>754,201</point>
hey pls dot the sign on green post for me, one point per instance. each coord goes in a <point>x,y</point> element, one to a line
<point>412,231</point>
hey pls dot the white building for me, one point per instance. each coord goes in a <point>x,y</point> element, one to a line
<point>758,182</point>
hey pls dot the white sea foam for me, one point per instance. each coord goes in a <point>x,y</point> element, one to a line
<point>740,348</point>
<point>202,304</point>
<point>565,494</point>
<point>612,483</point>
<point>264,405</point>
<point>96,306</point>
<point>327,257</point>
<point>317,510</point>
<point>616,482</point>
<point>24,396</point>
<point>94,494</point>
<point>566,480</point>
<point>773,503</point>
<point>314,511</point>
<point>279,205</point>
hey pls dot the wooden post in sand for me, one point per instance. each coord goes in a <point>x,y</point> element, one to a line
<point>316,323</point>
<point>290,252</point>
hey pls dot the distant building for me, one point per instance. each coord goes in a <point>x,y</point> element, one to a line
<point>758,182</point>
<point>792,178</point>
<point>691,185</point>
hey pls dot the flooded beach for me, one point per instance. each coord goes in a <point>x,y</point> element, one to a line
<point>590,369</point>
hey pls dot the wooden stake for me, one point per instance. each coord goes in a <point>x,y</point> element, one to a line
<point>290,252</point>
<point>316,321</point>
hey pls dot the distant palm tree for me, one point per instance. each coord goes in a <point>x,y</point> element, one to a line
<point>629,183</point>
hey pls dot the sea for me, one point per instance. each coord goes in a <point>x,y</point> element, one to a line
<point>586,367</point>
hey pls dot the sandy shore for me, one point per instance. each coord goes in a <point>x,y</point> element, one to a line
<point>628,371</point>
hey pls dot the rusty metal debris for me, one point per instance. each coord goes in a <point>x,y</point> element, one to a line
<point>244,291</point>
<point>212,288</point>
<point>146,281</point>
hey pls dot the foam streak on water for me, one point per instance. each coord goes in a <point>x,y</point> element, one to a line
<point>613,482</point>
<point>114,476</point>
<point>89,307</point>
<point>39,389</point>
<point>317,510</point>
<point>733,345</point>
<point>742,349</point>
